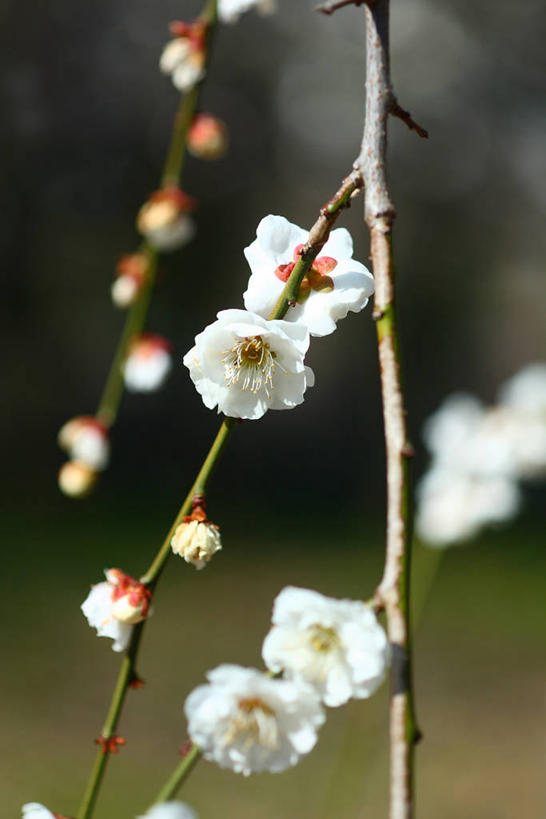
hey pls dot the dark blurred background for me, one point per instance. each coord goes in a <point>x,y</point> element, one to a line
<point>86,118</point>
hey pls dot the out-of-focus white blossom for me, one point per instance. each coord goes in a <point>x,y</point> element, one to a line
<point>130,275</point>
<point>164,219</point>
<point>207,137</point>
<point>196,539</point>
<point>147,364</point>
<point>169,810</point>
<point>246,721</point>
<point>115,606</point>
<point>229,11</point>
<point>184,57</point>
<point>454,506</point>
<point>335,284</point>
<point>335,645</point>
<point>34,810</point>
<point>246,365</point>
<point>526,390</point>
<point>85,440</point>
<point>76,479</point>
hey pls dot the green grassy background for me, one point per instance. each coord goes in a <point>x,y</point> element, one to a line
<point>479,674</point>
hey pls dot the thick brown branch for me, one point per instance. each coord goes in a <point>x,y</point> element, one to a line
<point>405,116</point>
<point>392,593</point>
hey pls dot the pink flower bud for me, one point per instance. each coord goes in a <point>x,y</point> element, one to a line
<point>208,137</point>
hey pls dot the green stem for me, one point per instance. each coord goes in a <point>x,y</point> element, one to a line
<point>182,770</point>
<point>134,324</point>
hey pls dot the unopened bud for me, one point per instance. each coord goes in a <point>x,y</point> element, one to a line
<point>85,440</point>
<point>130,275</point>
<point>147,364</point>
<point>130,599</point>
<point>196,541</point>
<point>208,137</point>
<point>76,479</point>
<point>164,219</point>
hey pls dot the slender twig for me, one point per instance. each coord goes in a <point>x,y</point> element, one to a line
<point>170,177</point>
<point>397,111</point>
<point>191,756</point>
<point>394,590</point>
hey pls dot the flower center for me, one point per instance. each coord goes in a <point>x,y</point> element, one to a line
<point>250,363</point>
<point>253,723</point>
<point>322,638</point>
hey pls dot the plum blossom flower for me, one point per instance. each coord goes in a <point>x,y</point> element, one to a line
<point>246,365</point>
<point>164,219</point>
<point>523,397</point>
<point>184,56</point>
<point>197,539</point>
<point>454,506</point>
<point>169,810</point>
<point>229,11</point>
<point>114,606</point>
<point>207,137</point>
<point>130,275</point>
<point>76,479</point>
<point>147,364</point>
<point>34,810</point>
<point>85,440</point>
<point>246,721</point>
<point>335,645</point>
<point>526,390</point>
<point>335,284</point>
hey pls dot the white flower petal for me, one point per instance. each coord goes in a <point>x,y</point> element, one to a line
<point>169,810</point>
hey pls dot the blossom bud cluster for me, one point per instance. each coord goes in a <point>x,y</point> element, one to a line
<point>328,652</point>
<point>479,456</point>
<point>244,363</point>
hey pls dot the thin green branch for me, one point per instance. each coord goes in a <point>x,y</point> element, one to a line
<point>182,770</point>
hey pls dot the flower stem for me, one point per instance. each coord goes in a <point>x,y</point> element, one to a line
<point>182,770</point>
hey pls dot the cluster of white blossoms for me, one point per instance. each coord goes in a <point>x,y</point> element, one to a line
<point>115,606</point>
<point>163,810</point>
<point>328,652</point>
<point>85,441</point>
<point>147,364</point>
<point>244,363</point>
<point>479,455</point>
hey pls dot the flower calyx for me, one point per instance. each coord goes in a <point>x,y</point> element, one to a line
<point>130,598</point>
<point>316,278</point>
<point>110,745</point>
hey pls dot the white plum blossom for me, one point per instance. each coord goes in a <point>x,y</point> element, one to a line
<point>76,479</point>
<point>337,646</point>
<point>34,810</point>
<point>115,606</point>
<point>147,364</point>
<point>229,11</point>
<point>85,440</point>
<point>335,284</point>
<point>164,219</point>
<point>246,721</point>
<point>169,810</point>
<point>454,506</point>
<point>526,390</point>
<point>184,56</point>
<point>246,365</point>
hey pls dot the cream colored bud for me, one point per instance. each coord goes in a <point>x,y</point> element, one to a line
<point>76,479</point>
<point>124,610</point>
<point>196,541</point>
<point>124,290</point>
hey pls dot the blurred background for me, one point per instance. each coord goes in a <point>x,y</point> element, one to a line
<point>86,119</point>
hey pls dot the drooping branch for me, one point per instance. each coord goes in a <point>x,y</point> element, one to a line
<point>393,592</point>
